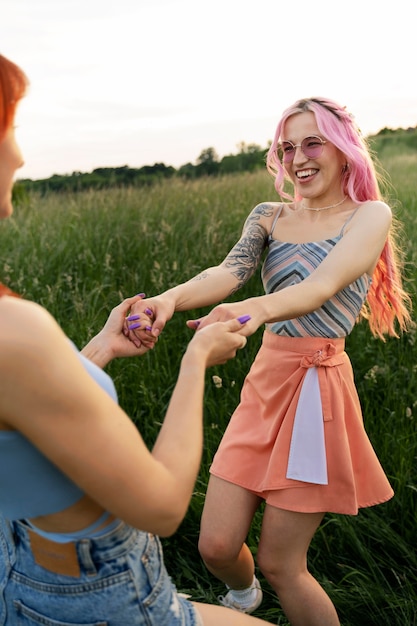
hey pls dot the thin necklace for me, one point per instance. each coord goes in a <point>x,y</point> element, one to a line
<point>323,208</point>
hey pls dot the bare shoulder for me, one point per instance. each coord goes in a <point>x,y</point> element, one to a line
<point>24,326</point>
<point>374,214</point>
<point>14,310</point>
<point>36,361</point>
<point>266,209</point>
<point>376,209</point>
<point>263,214</point>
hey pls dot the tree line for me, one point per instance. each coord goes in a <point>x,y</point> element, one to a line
<point>248,158</point>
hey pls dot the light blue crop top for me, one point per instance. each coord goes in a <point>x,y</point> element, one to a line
<point>30,485</point>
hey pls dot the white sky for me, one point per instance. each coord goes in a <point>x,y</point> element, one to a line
<point>136,82</point>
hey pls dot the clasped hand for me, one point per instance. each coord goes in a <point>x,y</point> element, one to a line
<point>148,319</point>
<point>227,311</point>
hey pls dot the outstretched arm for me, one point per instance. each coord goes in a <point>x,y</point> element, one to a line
<point>47,395</point>
<point>209,286</point>
<point>356,253</point>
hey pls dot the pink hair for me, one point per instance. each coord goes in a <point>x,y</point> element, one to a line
<point>387,300</point>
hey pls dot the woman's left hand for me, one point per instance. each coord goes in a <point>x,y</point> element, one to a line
<point>232,310</point>
<point>111,342</point>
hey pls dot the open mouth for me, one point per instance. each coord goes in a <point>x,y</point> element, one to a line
<point>301,174</point>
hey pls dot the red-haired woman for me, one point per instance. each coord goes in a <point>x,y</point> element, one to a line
<point>82,499</point>
<point>297,440</point>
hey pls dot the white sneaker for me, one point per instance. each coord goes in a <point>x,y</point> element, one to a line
<point>230,601</point>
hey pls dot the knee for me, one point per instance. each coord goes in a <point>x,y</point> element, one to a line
<point>275,570</point>
<point>215,551</point>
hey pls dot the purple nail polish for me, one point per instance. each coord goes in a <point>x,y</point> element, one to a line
<point>148,312</point>
<point>243,319</point>
<point>148,327</point>
<point>133,318</point>
<point>141,295</point>
<point>134,326</point>
<point>197,323</point>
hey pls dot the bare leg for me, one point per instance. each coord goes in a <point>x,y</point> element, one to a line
<point>227,516</point>
<point>213,615</point>
<point>282,558</point>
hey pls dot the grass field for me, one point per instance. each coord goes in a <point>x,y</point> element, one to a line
<point>78,255</point>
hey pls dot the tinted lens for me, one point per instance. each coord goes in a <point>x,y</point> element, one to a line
<point>286,151</point>
<point>312,147</point>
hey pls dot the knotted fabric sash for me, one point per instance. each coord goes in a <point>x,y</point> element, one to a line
<point>307,457</point>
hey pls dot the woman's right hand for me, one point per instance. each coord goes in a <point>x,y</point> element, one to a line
<point>218,342</point>
<point>147,319</point>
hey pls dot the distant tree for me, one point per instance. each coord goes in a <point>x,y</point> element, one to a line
<point>208,155</point>
<point>249,158</point>
<point>230,164</point>
<point>187,171</point>
<point>208,162</point>
<point>252,156</point>
<point>385,131</point>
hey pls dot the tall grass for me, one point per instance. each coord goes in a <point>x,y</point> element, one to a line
<point>78,255</point>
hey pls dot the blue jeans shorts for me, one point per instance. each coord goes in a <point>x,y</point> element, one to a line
<point>116,579</point>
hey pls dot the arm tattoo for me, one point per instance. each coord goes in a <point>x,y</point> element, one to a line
<point>200,276</point>
<point>246,255</point>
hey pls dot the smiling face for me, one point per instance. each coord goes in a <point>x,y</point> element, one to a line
<point>10,160</point>
<point>319,178</point>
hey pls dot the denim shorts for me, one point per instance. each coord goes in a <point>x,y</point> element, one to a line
<point>121,581</point>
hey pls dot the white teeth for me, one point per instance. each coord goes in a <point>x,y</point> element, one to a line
<point>306,173</point>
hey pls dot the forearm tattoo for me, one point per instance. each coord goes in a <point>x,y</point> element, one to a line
<point>246,255</point>
<point>200,276</point>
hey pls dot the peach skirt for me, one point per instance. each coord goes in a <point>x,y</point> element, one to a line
<point>297,438</point>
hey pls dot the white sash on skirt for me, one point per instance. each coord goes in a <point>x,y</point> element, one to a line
<point>307,458</point>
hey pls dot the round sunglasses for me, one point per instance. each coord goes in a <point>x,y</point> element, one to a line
<point>312,148</point>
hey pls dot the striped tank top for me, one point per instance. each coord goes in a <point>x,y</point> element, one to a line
<point>288,264</point>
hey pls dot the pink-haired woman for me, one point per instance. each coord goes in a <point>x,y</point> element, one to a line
<point>297,440</point>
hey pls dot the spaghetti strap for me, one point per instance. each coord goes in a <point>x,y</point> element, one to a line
<point>347,221</point>
<point>278,213</point>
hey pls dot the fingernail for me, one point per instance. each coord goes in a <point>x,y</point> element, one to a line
<point>243,319</point>
<point>141,295</point>
<point>197,323</point>
<point>148,327</point>
<point>148,312</point>
<point>133,326</point>
<point>133,318</point>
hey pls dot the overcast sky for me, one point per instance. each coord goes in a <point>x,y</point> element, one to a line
<point>135,82</point>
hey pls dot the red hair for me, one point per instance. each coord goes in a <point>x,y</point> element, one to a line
<point>13,85</point>
<point>5,291</point>
<point>387,301</point>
